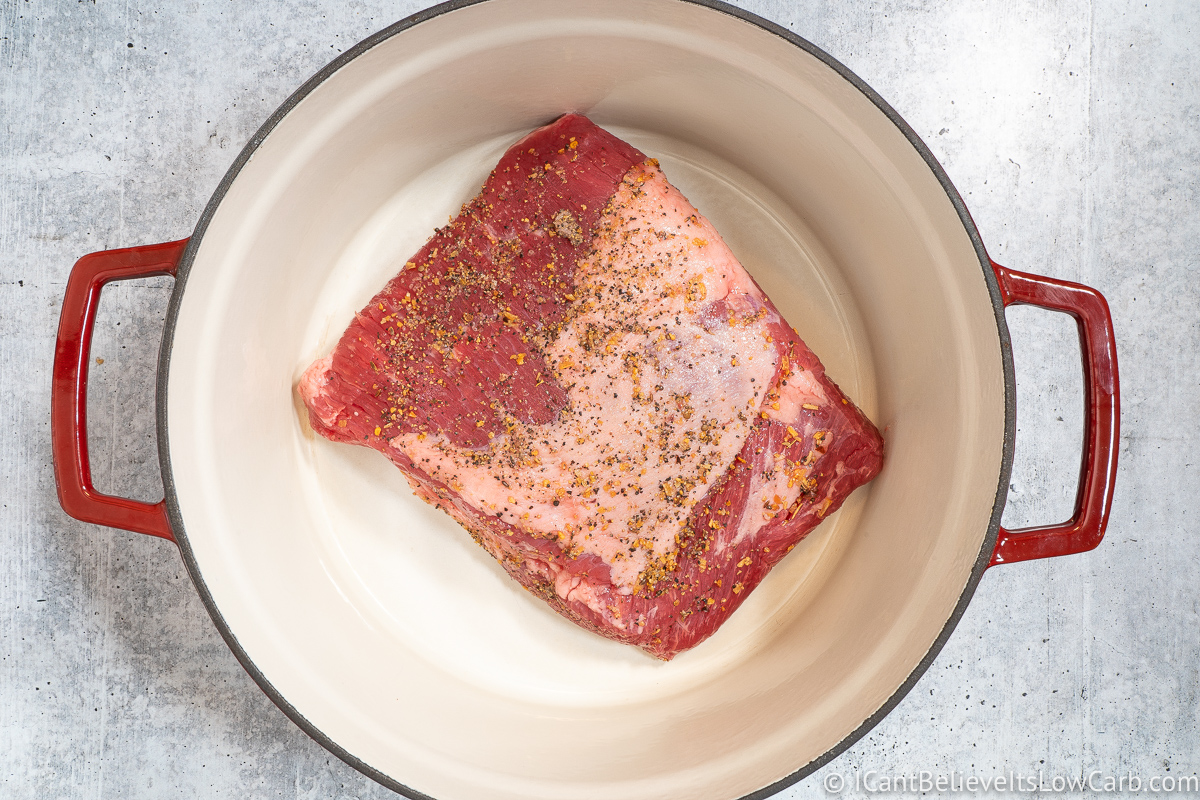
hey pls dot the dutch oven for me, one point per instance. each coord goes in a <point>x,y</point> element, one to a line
<point>376,624</point>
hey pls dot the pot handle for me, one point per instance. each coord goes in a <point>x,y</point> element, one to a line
<point>68,394</point>
<point>1102,421</point>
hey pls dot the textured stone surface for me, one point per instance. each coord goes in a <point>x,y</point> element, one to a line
<point>1071,130</point>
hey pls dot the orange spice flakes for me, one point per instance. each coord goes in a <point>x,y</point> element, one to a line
<point>824,507</point>
<point>798,475</point>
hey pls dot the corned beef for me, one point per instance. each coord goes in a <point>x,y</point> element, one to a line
<point>579,371</point>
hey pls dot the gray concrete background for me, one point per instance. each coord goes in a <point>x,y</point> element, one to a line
<point>1072,129</point>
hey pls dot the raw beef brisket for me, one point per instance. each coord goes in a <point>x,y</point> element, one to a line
<point>578,370</point>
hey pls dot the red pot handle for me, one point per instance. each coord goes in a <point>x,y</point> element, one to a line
<point>68,395</point>
<point>1102,422</point>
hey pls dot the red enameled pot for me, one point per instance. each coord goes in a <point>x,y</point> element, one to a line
<point>373,621</point>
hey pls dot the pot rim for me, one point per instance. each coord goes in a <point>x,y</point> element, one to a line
<point>184,269</point>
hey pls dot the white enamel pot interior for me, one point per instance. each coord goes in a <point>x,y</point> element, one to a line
<point>372,619</point>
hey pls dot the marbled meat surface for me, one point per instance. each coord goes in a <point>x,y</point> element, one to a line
<point>578,370</point>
